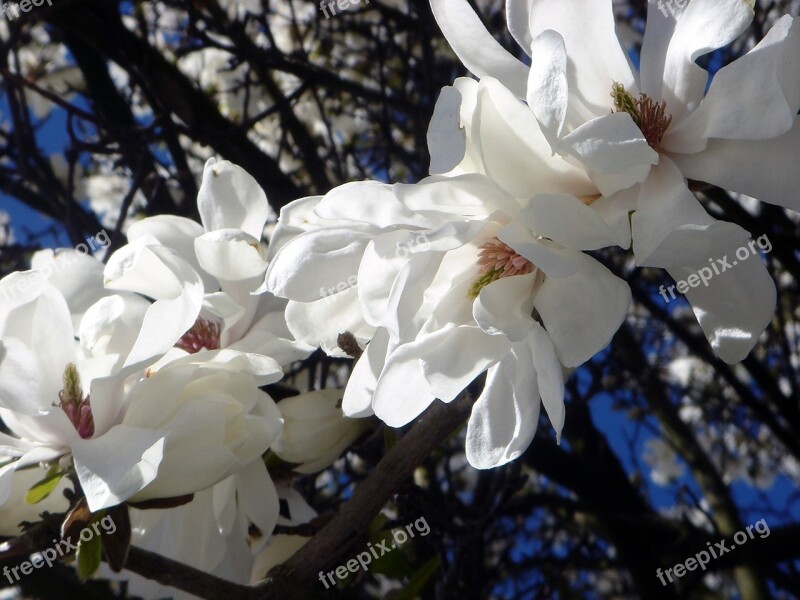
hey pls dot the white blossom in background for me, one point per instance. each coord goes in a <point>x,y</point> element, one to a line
<point>315,430</point>
<point>663,461</point>
<point>131,434</point>
<point>227,253</point>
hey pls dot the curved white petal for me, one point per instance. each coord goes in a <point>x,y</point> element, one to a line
<point>755,97</point>
<point>703,26</point>
<point>180,298</point>
<point>229,198</point>
<point>518,17</point>
<point>764,169</point>
<point>403,392</point>
<point>551,258</point>
<point>358,394</point>
<point>319,323</point>
<point>613,150</point>
<point>596,59</point>
<point>514,150</point>
<point>19,377</point>
<point>548,92</point>
<point>734,307</point>
<point>462,354</point>
<point>476,47</point>
<point>505,416</point>
<point>568,222</point>
<point>231,255</point>
<point>583,312</point>
<point>178,233</point>
<point>447,140</point>
<point>665,208</point>
<point>504,307</point>
<point>317,263</point>
<point>117,465</point>
<point>77,276</point>
<point>549,377</point>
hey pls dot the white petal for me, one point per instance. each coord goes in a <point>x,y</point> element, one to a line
<point>504,307</point>
<point>568,221</point>
<point>319,323</point>
<point>178,233</point>
<point>505,416</point>
<point>77,276</point>
<point>19,378</point>
<point>316,263</point>
<point>115,466</point>
<point>169,317</point>
<point>518,17</point>
<point>703,26</point>
<point>231,255</point>
<point>613,150</point>
<point>666,207</point>
<point>257,496</point>
<point>229,198</point>
<point>547,84</point>
<point>476,47</point>
<point>403,392</point>
<point>766,169</point>
<point>551,258</point>
<point>583,312</point>
<point>549,377</point>
<point>447,140</point>
<point>358,394</point>
<point>595,56</point>
<point>734,307</point>
<point>755,97</point>
<point>514,150</point>
<point>462,355</point>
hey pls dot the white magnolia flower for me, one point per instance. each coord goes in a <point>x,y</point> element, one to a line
<point>227,253</point>
<point>315,431</point>
<point>178,430</point>
<point>449,273</point>
<point>742,134</point>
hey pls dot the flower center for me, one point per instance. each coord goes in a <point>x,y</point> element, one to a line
<point>648,115</point>
<point>204,335</point>
<point>495,261</point>
<point>74,405</point>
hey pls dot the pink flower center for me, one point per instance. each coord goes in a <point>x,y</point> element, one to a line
<point>650,116</point>
<point>75,406</point>
<point>204,335</point>
<point>495,261</point>
<point>494,255</point>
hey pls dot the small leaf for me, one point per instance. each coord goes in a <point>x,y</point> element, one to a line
<point>90,555</point>
<point>43,488</point>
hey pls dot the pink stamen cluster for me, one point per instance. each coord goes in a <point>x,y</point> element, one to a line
<point>204,335</point>
<point>654,120</point>
<point>494,255</point>
<point>75,406</point>
<point>80,415</point>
